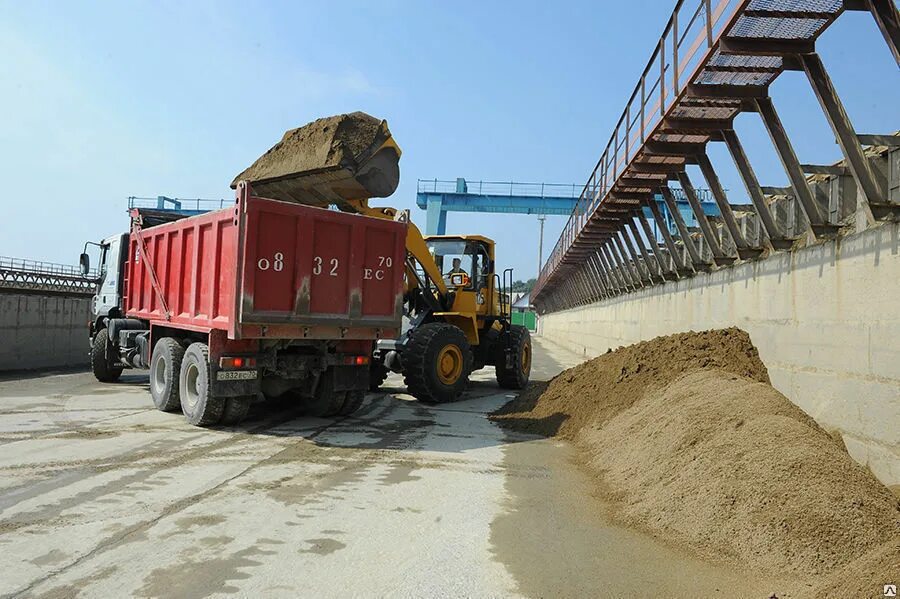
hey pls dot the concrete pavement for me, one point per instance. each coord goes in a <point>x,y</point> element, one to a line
<point>100,495</point>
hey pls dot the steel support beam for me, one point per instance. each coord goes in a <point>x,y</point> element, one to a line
<point>888,19</point>
<point>843,131</point>
<point>652,267</point>
<point>892,141</point>
<point>598,272</point>
<point>624,268</point>
<point>744,251</point>
<point>617,283</point>
<point>612,285</point>
<point>697,262</point>
<point>624,278</point>
<point>720,91</point>
<point>633,268</point>
<point>663,226</point>
<point>765,46</point>
<point>643,270</point>
<point>751,183</point>
<point>792,167</point>
<point>663,268</point>
<point>706,229</point>
<point>596,287</point>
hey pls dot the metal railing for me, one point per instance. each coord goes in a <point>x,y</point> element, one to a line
<point>500,188</point>
<point>184,204</point>
<point>21,273</point>
<point>688,38</point>
<point>44,268</point>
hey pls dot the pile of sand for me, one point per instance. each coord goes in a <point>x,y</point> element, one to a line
<point>691,442</point>
<point>594,392</point>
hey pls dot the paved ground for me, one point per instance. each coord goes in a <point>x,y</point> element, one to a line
<point>103,496</point>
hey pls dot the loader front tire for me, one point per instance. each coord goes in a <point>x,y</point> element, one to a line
<point>514,375</point>
<point>437,361</point>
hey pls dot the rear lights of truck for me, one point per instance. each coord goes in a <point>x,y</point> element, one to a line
<point>237,362</point>
<point>356,360</point>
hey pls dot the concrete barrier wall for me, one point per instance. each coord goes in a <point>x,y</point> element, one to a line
<point>826,320</point>
<point>43,330</point>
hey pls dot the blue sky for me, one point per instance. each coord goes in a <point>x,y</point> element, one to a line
<point>103,100</point>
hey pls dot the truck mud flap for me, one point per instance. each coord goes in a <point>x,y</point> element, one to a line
<point>350,378</point>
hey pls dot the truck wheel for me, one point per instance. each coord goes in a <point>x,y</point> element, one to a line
<point>165,366</point>
<point>352,402</point>
<point>197,402</point>
<point>377,375</point>
<point>104,369</point>
<point>520,347</point>
<point>437,361</point>
<point>326,401</point>
<point>235,411</point>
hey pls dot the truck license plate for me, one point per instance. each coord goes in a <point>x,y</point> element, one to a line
<point>236,375</point>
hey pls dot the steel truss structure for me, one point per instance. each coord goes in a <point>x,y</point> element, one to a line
<point>715,60</point>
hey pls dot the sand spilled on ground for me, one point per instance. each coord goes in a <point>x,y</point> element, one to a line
<point>692,442</point>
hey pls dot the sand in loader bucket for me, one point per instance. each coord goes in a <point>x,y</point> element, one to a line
<point>328,161</point>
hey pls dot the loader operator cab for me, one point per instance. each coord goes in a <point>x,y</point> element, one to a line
<point>470,258</point>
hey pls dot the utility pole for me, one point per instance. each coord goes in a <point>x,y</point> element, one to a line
<point>541,219</point>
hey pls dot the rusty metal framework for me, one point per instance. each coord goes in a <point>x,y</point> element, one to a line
<point>33,275</point>
<point>714,60</point>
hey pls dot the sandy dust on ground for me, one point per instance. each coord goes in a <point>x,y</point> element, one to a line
<point>688,438</point>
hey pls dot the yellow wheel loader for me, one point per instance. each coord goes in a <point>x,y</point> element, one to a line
<point>456,307</point>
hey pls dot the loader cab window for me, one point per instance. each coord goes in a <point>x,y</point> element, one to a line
<point>457,255</point>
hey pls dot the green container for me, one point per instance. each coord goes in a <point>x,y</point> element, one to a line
<point>526,319</point>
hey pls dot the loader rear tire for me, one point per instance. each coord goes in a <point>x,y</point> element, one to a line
<point>103,368</point>
<point>235,410</point>
<point>517,376</point>
<point>199,405</point>
<point>165,367</point>
<point>437,361</point>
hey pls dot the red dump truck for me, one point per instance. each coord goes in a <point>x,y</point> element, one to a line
<point>264,296</point>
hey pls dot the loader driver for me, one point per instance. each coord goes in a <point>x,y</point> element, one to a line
<point>457,268</point>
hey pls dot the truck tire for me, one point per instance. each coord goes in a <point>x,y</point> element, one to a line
<point>326,401</point>
<point>378,373</point>
<point>104,369</point>
<point>352,402</point>
<point>200,407</point>
<point>520,346</point>
<point>165,366</point>
<point>235,410</point>
<point>437,361</point>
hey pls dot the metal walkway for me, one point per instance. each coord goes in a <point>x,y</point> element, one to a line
<point>33,275</point>
<point>715,60</point>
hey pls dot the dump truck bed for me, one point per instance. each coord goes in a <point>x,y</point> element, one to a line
<point>269,269</point>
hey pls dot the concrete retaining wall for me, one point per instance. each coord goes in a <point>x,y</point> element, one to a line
<point>43,330</point>
<point>826,320</point>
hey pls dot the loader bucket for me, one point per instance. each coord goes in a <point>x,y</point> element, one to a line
<point>329,161</point>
